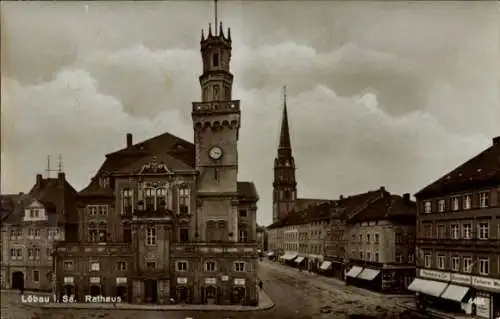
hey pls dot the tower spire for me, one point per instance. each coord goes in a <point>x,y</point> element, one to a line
<point>285,130</point>
<point>215,25</point>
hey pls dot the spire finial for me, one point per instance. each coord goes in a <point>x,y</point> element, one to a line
<point>215,25</point>
<point>221,31</point>
<point>209,30</point>
<point>284,94</point>
<point>229,34</point>
<point>202,35</point>
<point>284,145</point>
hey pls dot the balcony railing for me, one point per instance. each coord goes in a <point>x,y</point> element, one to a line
<point>214,248</point>
<point>475,242</point>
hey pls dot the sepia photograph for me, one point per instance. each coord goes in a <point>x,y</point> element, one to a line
<point>247,159</point>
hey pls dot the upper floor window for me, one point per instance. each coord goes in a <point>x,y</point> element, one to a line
<point>49,252</point>
<point>441,232</point>
<point>484,199</point>
<point>151,265</point>
<point>427,260</point>
<point>243,236</point>
<point>215,60</point>
<point>97,209</point>
<point>455,263</point>
<point>68,264</point>
<point>34,213</point>
<point>427,207</point>
<point>441,205</point>
<point>368,238</point>
<point>427,230</point>
<point>151,236</point>
<point>33,233</point>
<point>455,203</point>
<point>121,266</point>
<point>468,264</point>
<point>34,253</point>
<point>126,200</point>
<point>210,266</point>
<point>467,231</point>
<point>376,257</point>
<point>184,235</point>
<point>149,198</point>
<point>181,266</point>
<point>411,258</point>
<point>95,266</point>
<point>399,238</point>
<point>467,201</point>
<point>242,212</point>
<point>399,258</point>
<point>16,234</point>
<point>483,230</point>
<point>455,231</point>
<point>484,266</point>
<point>239,266</point>
<point>377,238</point>
<point>184,199</point>
<point>441,261</point>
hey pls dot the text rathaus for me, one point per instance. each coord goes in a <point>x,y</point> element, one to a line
<point>166,220</point>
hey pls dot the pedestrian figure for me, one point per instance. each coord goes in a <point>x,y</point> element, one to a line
<point>21,290</point>
<point>260,284</point>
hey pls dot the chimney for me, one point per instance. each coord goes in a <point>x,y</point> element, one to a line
<point>382,188</point>
<point>39,180</point>
<point>129,139</point>
<point>61,178</point>
<point>341,197</point>
<point>496,141</point>
<point>21,193</point>
<point>406,197</point>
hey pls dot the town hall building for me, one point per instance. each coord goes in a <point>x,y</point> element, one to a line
<point>166,220</point>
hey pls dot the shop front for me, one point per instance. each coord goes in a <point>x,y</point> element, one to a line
<point>300,262</point>
<point>473,295</point>
<point>288,258</point>
<point>365,277</point>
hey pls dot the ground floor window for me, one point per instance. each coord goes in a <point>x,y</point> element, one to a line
<point>182,294</point>
<point>122,292</point>
<point>238,295</point>
<point>95,290</point>
<point>210,295</point>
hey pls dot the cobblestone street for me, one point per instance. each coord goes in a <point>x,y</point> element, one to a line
<point>298,295</point>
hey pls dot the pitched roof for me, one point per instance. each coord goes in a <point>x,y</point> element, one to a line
<point>13,207</point>
<point>179,151</point>
<point>387,206</point>
<point>173,164</point>
<point>483,170</point>
<point>247,191</point>
<point>58,192</point>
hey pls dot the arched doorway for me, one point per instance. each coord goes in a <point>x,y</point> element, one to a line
<point>182,294</point>
<point>210,295</point>
<point>95,290</point>
<point>121,291</point>
<point>238,296</point>
<point>150,291</point>
<point>18,280</point>
<point>69,290</point>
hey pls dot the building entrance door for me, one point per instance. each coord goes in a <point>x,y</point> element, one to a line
<point>211,295</point>
<point>182,294</point>
<point>69,290</point>
<point>18,280</point>
<point>239,295</point>
<point>121,291</point>
<point>95,290</point>
<point>150,291</point>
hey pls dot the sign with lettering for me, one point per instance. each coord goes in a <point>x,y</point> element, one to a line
<point>210,281</point>
<point>461,279</point>
<point>239,282</point>
<point>95,280</point>
<point>433,274</point>
<point>182,280</point>
<point>488,283</point>
<point>121,280</point>
<point>225,278</point>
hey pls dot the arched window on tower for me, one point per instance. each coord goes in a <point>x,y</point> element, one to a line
<point>227,93</point>
<point>216,92</point>
<point>215,60</point>
<point>205,94</point>
<point>287,195</point>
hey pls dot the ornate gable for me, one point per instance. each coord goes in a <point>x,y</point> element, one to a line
<point>155,167</point>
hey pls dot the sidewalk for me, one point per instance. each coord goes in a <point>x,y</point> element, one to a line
<point>265,303</point>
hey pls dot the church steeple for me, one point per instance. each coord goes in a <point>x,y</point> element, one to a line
<point>284,185</point>
<point>284,148</point>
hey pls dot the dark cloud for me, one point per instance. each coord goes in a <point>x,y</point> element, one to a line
<point>379,94</point>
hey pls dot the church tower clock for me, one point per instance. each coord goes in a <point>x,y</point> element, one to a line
<point>216,123</point>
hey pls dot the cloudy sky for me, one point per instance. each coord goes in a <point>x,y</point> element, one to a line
<point>379,93</point>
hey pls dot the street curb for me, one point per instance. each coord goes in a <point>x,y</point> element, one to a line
<point>433,313</point>
<point>126,306</point>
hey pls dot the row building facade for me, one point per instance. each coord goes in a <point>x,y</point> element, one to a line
<point>166,220</point>
<point>458,241</point>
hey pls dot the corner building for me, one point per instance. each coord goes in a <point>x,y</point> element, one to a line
<point>166,220</point>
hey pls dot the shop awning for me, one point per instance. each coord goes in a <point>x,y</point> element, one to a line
<point>325,265</point>
<point>455,293</point>
<point>291,256</point>
<point>354,271</point>
<point>299,260</point>
<point>428,287</point>
<point>270,254</point>
<point>368,274</point>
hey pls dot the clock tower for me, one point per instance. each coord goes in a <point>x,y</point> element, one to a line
<point>216,123</point>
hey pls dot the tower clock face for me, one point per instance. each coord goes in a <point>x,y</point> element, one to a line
<point>215,153</point>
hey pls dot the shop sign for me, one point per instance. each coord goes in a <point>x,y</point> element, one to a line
<point>239,282</point>
<point>225,278</point>
<point>95,280</point>
<point>482,307</point>
<point>182,280</point>
<point>210,281</point>
<point>439,275</point>
<point>461,279</point>
<point>488,283</point>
